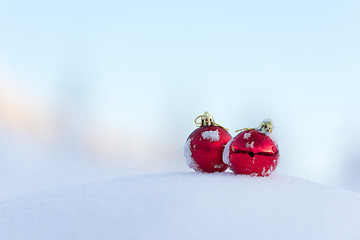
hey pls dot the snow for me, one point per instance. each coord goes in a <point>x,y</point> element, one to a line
<point>247,135</point>
<point>226,152</point>
<point>188,155</point>
<point>265,172</point>
<point>211,135</point>
<point>186,206</point>
<point>249,145</point>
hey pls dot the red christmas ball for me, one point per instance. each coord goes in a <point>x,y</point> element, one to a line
<point>252,152</point>
<point>204,149</point>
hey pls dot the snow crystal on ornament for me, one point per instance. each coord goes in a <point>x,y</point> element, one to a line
<point>263,171</point>
<point>268,172</point>
<point>188,155</point>
<point>211,135</point>
<point>226,153</point>
<point>247,135</point>
<point>250,145</point>
<point>218,166</point>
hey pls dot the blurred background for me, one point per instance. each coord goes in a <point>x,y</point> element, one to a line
<point>102,88</point>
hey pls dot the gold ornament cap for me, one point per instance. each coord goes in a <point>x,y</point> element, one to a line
<point>206,120</point>
<point>266,126</point>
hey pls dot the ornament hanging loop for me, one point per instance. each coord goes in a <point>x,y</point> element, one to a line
<point>198,124</point>
<point>244,129</point>
<point>265,127</point>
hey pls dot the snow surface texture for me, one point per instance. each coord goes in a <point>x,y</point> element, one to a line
<point>213,136</point>
<point>226,152</point>
<point>186,206</point>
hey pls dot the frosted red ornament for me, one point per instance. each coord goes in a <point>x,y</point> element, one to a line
<point>253,152</point>
<point>204,147</point>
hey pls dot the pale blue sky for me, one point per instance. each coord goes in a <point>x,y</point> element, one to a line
<point>294,61</point>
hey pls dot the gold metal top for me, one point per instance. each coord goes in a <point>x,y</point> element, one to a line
<point>266,126</point>
<point>207,120</point>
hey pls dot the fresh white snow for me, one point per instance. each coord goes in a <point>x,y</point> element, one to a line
<point>226,152</point>
<point>188,155</point>
<point>213,136</point>
<point>247,135</point>
<point>249,145</point>
<point>186,206</point>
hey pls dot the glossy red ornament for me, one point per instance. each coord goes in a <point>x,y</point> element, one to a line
<point>252,152</point>
<point>204,148</point>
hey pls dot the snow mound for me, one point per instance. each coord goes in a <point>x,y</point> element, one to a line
<point>186,206</point>
<point>188,155</point>
<point>226,152</point>
<point>213,136</point>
